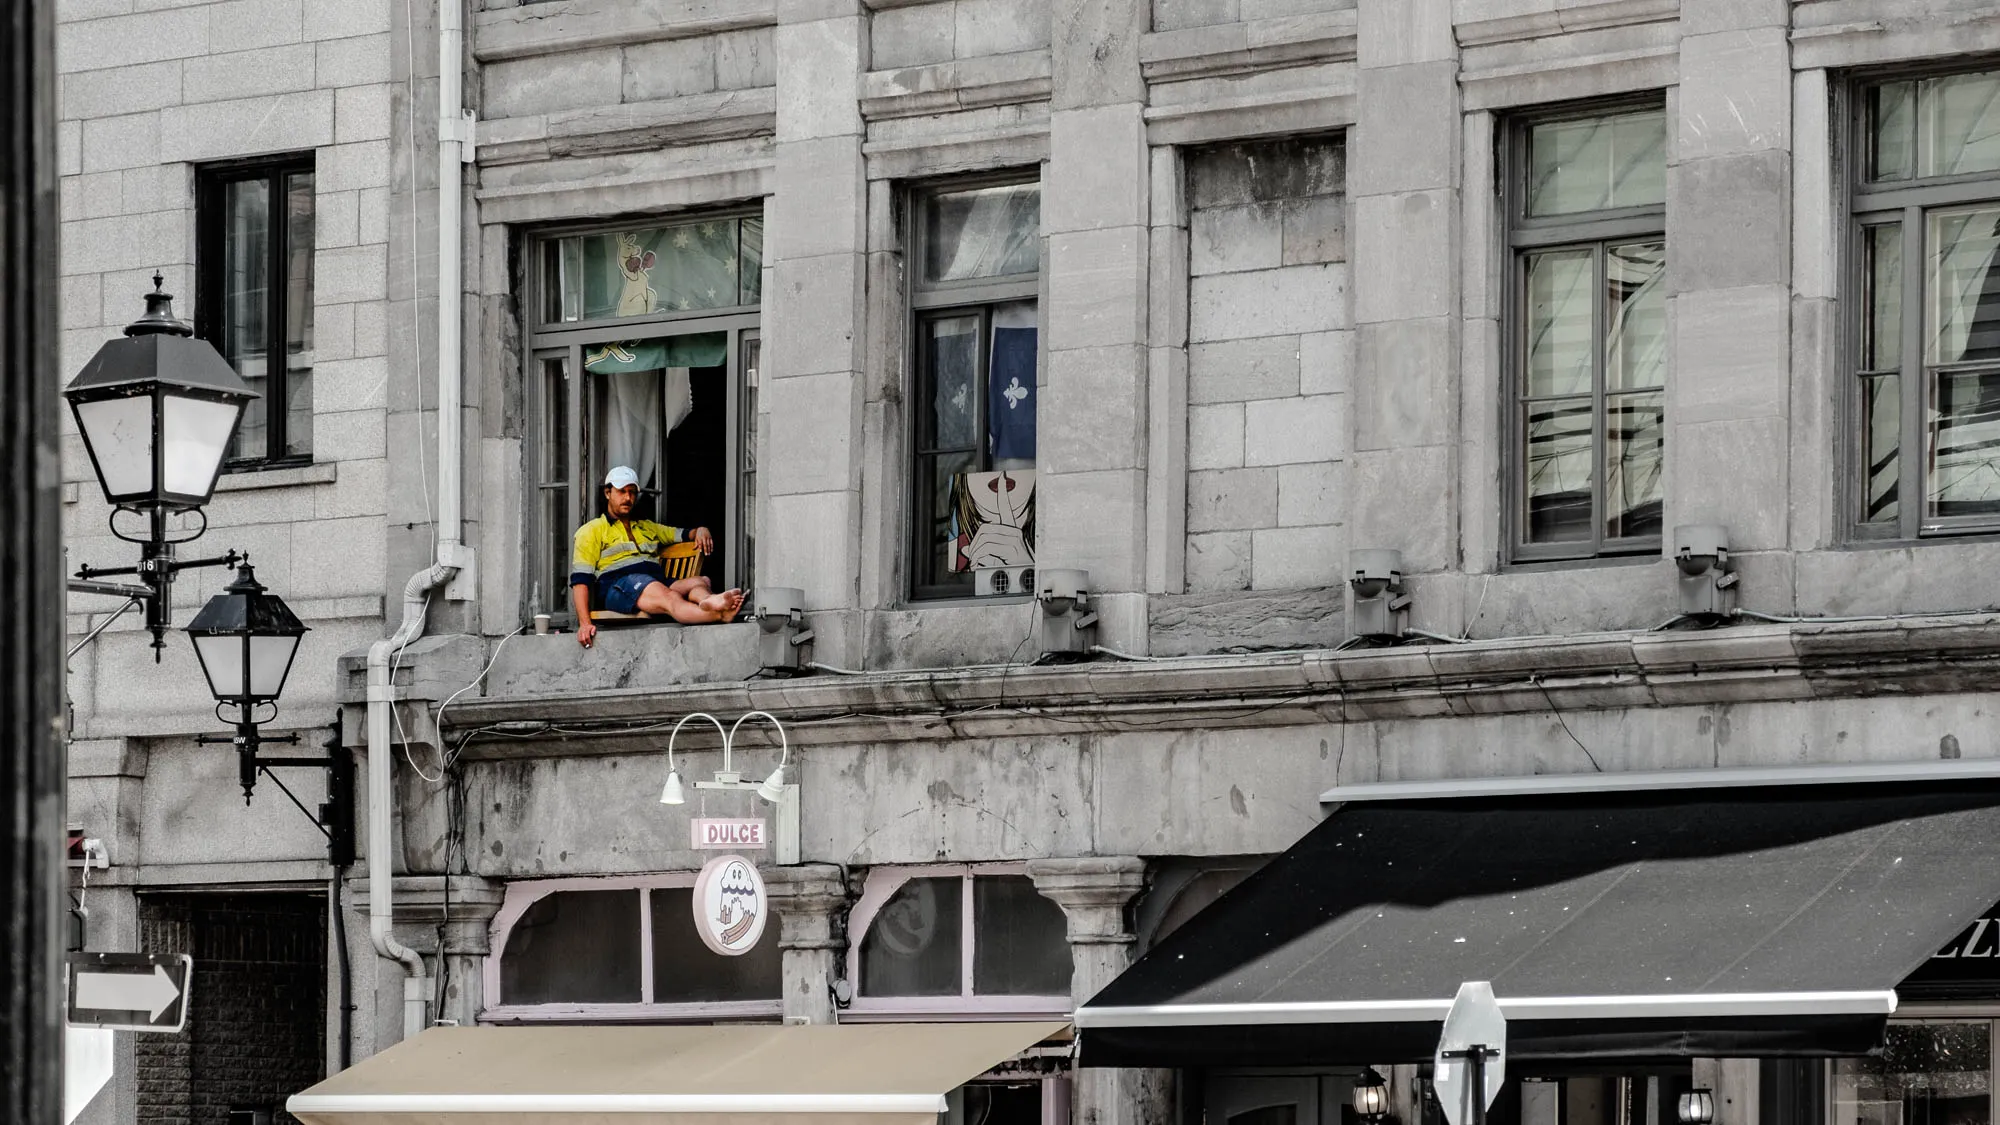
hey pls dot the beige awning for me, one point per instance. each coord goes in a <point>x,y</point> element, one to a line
<point>874,1074</point>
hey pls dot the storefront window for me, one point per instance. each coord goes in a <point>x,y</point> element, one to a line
<point>958,938</point>
<point>1931,1072</point>
<point>619,948</point>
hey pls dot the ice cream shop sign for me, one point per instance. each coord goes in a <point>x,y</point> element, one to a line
<point>730,905</point>
<point>712,834</point>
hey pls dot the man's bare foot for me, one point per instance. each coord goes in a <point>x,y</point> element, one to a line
<point>728,604</point>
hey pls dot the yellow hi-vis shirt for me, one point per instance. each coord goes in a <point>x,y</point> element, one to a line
<point>603,551</point>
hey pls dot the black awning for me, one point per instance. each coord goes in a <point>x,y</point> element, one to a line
<point>1718,922</point>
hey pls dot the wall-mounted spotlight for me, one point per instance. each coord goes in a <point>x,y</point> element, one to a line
<point>1707,576</point>
<point>1380,609</point>
<point>781,627</point>
<point>1069,626</point>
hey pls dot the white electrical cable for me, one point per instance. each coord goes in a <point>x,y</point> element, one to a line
<point>468,687</point>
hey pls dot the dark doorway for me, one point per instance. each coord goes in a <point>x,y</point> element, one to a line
<point>256,1027</point>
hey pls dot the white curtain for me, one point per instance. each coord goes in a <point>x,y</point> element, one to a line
<point>632,422</point>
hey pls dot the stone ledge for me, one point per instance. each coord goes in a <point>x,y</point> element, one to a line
<point>632,127</point>
<point>1231,49</point>
<point>574,25</point>
<point>993,80</point>
<point>1805,660</point>
<point>1572,17</point>
<point>320,472</point>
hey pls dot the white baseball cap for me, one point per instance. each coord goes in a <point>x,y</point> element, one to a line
<point>620,477</point>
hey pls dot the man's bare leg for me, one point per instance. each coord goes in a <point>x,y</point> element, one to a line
<point>712,608</point>
<point>693,589</point>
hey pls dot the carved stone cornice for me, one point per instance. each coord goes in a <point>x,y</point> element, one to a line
<point>1093,892</point>
<point>811,902</point>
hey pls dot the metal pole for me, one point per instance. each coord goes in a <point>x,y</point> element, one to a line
<point>1475,1057</point>
<point>32,874</point>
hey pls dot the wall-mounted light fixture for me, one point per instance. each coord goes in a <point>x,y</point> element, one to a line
<point>1697,1107</point>
<point>1707,576</point>
<point>1380,609</point>
<point>1371,1096</point>
<point>1069,625</point>
<point>781,627</point>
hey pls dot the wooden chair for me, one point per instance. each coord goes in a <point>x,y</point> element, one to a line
<point>682,560</point>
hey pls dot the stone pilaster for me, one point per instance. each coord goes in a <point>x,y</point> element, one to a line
<point>815,267</point>
<point>448,919</point>
<point>1404,174</point>
<point>1094,893</point>
<point>1729,238</point>
<point>1090,485</point>
<point>811,902</point>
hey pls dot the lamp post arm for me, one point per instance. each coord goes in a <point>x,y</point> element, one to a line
<point>130,601</point>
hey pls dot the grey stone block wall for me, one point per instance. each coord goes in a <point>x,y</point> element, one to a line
<point>649,71</point>
<point>1269,351</point>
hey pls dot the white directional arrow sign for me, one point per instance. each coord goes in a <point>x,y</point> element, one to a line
<point>129,991</point>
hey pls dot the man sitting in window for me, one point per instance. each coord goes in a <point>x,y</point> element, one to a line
<point>619,557</point>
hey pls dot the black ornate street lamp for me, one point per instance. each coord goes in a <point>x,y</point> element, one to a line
<point>157,409</point>
<point>245,639</point>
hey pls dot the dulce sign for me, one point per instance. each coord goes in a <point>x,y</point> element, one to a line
<point>713,834</point>
<point>730,905</point>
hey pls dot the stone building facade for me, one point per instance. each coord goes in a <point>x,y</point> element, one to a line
<point>1512,287</point>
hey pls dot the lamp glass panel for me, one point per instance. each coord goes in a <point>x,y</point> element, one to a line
<point>222,661</point>
<point>270,659</point>
<point>196,432</point>
<point>120,433</point>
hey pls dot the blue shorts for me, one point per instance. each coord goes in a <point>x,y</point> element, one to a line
<point>622,595</point>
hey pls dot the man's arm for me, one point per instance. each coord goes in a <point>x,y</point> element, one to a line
<point>579,600</point>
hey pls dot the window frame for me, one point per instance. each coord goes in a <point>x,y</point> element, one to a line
<point>1906,206</point>
<point>880,886</point>
<point>1522,235</point>
<point>1927,1013</point>
<point>211,182</point>
<point>522,894</point>
<point>566,340</point>
<point>930,301</point>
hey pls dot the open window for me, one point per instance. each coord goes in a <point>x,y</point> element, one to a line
<point>644,352</point>
<point>619,948</point>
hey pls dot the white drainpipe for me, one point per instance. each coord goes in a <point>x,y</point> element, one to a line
<point>453,557</point>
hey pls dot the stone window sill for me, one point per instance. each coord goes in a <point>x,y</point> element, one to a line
<point>323,472</point>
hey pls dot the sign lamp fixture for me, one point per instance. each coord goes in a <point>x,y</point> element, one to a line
<point>771,789</point>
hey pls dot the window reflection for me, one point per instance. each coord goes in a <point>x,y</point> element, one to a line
<point>1929,1073</point>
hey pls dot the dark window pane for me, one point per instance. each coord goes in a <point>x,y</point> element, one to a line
<point>1020,945</point>
<point>950,350</point>
<point>1962,293</point>
<point>574,947</point>
<point>987,232</point>
<point>1633,446</point>
<point>746,566</point>
<point>685,970</point>
<point>1963,461</point>
<point>1558,348</point>
<point>751,268</point>
<point>1597,163</point>
<point>1958,124</point>
<point>913,946</point>
<point>943,538</point>
<point>1635,316</point>
<point>1558,471</point>
<point>298,314</point>
<point>1882,275</point>
<point>1267,1115</point>
<point>1882,438</point>
<point>245,258</point>
<point>680,268</point>
<point>1011,390</point>
<point>1932,1073</point>
<point>1892,130</point>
